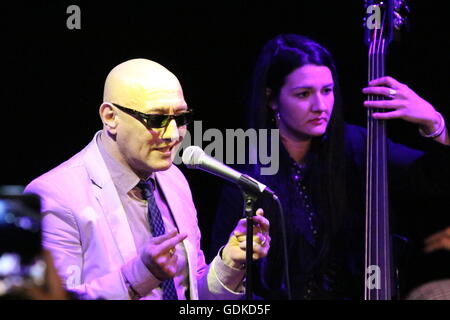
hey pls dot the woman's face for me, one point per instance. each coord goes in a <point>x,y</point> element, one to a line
<point>305,102</point>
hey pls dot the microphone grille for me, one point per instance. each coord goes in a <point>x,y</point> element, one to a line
<point>191,156</point>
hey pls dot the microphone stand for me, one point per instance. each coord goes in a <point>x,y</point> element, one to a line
<point>249,212</point>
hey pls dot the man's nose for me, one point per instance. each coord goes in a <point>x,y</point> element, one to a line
<point>171,131</point>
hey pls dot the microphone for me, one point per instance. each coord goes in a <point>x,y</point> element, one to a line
<point>195,158</point>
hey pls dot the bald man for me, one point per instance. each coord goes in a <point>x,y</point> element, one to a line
<point>99,206</point>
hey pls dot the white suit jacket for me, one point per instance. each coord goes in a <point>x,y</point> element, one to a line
<point>85,227</point>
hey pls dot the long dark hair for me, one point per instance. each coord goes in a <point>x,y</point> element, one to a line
<point>279,57</point>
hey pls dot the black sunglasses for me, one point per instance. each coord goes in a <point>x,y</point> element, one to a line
<point>152,121</point>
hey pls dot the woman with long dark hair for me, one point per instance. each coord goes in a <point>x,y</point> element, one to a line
<point>320,180</point>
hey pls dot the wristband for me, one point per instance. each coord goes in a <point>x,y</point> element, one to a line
<point>437,132</point>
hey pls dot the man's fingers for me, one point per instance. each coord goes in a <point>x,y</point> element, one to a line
<point>166,260</point>
<point>442,243</point>
<point>429,248</point>
<point>240,228</point>
<point>164,237</point>
<point>257,229</point>
<point>259,238</point>
<point>260,212</point>
<point>258,249</point>
<point>172,242</point>
<point>439,240</point>
<point>433,238</point>
<point>262,223</point>
<point>167,267</point>
<point>438,235</point>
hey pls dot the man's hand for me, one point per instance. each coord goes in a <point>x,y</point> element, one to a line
<point>438,241</point>
<point>159,255</point>
<point>233,254</point>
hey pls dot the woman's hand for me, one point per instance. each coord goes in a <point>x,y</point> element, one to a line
<point>404,104</point>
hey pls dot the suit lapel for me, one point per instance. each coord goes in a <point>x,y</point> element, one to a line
<point>173,202</point>
<point>109,200</point>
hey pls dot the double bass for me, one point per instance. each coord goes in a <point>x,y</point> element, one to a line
<point>382,20</point>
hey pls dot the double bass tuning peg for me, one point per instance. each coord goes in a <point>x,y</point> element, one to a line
<point>401,11</point>
<point>399,21</point>
<point>401,6</point>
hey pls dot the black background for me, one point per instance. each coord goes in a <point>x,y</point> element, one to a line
<point>53,77</point>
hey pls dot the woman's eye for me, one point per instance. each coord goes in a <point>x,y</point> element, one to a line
<point>327,90</point>
<point>302,94</point>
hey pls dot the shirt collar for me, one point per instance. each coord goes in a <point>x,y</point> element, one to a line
<point>123,177</point>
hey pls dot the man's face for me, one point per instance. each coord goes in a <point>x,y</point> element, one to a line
<point>148,150</point>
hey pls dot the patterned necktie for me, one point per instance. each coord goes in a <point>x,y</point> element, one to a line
<point>157,229</point>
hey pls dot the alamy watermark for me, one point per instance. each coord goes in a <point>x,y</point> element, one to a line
<point>373,280</point>
<point>236,146</point>
<point>374,19</point>
<point>74,20</point>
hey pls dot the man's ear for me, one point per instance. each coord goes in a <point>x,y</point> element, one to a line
<point>109,117</point>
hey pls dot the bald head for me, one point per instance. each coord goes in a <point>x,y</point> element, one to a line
<point>136,83</point>
<point>149,88</point>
